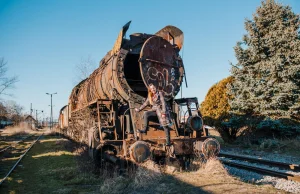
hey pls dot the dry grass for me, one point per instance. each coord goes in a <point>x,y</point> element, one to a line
<point>290,146</point>
<point>285,146</point>
<point>291,143</point>
<point>57,165</point>
<point>49,132</point>
<point>213,167</point>
<point>139,180</point>
<point>53,154</point>
<point>171,167</point>
<point>10,135</point>
<point>148,172</point>
<point>214,133</point>
<point>16,131</point>
<point>212,177</point>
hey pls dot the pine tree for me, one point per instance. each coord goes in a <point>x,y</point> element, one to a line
<point>267,73</point>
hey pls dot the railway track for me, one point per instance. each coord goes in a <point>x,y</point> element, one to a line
<point>4,149</point>
<point>16,154</point>
<point>282,165</point>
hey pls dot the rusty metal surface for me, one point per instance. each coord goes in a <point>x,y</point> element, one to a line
<point>106,82</point>
<point>119,40</point>
<point>154,133</point>
<point>293,167</point>
<point>210,148</point>
<point>287,176</point>
<point>161,66</point>
<point>139,151</point>
<point>183,147</point>
<point>64,117</point>
<point>101,108</point>
<point>169,31</point>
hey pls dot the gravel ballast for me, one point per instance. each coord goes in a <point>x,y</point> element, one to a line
<point>256,178</point>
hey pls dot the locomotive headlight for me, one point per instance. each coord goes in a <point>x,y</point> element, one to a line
<point>195,123</point>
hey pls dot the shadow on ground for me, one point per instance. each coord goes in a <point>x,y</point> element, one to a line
<point>56,165</point>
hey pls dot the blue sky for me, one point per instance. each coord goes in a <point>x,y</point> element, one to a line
<point>43,40</point>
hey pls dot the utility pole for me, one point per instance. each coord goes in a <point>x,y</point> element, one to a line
<point>36,116</point>
<point>51,115</point>
<point>31,115</point>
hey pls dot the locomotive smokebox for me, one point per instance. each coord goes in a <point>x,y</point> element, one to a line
<point>161,65</point>
<point>126,71</point>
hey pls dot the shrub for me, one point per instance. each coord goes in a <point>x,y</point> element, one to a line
<point>279,127</point>
<point>216,104</point>
<point>215,109</point>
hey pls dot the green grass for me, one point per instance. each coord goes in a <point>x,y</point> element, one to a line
<point>54,166</point>
<point>51,168</point>
<point>47,168</point>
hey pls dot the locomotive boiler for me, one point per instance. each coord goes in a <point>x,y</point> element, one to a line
<point>100,110</point>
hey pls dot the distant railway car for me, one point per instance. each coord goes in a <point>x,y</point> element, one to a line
<point>4,121</point>
<point>63,120</point>
<point>100,110</point>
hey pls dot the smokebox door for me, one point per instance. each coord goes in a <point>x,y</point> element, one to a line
<point>161,66</point>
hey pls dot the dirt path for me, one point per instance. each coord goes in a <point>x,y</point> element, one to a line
<point>215,179</point>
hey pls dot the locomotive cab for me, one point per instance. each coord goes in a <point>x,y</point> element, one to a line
<point>189,118</point>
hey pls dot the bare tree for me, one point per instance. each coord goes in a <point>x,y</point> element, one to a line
<point>5,82</point>
<point>84,68</point>
<point>14,111</point>
<point>3,111</point>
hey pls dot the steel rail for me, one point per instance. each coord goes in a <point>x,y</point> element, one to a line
<point>21,157</point>
<point>294,167</point>
<point>15,143</point>
<point>264,171</point>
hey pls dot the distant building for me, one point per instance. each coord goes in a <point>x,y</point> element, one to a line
<point>29,122</point>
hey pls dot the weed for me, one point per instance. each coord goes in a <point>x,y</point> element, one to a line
<point>268,144</point>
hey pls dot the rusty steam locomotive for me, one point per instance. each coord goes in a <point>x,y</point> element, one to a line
<point>100,111</point>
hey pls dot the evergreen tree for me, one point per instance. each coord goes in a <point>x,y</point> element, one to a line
<point>267,73</point>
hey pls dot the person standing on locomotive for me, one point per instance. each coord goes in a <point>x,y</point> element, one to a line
<point>159,109</point>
